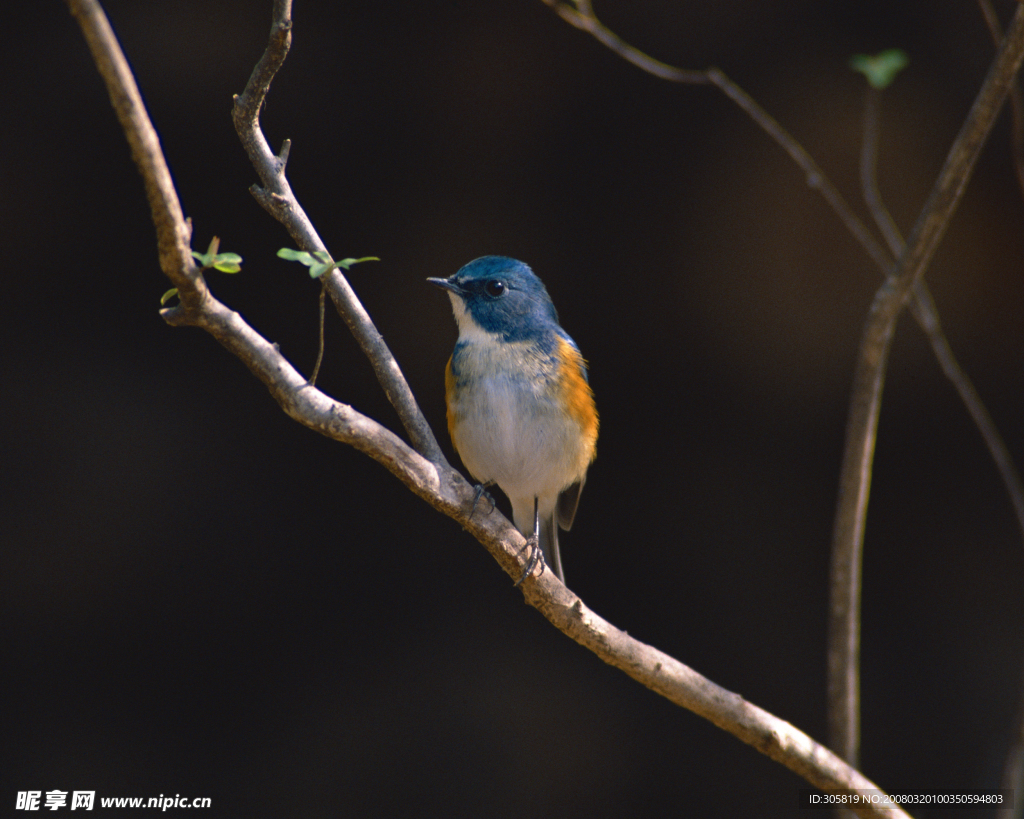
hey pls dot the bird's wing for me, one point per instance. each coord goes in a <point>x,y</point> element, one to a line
<point>568,500</point>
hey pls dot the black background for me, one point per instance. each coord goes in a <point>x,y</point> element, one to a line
<point>199,596</point>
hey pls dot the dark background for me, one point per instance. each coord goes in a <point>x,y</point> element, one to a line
<point>199,596</point>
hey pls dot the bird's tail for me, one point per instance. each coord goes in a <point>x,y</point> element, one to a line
<point>549,545</point>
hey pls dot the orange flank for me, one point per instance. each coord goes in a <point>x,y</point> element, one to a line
<point>449,398</point>
<point>579,398</point>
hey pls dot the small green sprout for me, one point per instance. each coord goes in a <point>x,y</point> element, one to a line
<point>224,262</point>
<point>880,69</point>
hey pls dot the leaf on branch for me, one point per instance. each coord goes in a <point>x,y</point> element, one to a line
<point>347,263</point>
<point>170,294</point>
<point>224,262</point>
<point>293,255</point>
<point>227,262</point>
<point>880,69</point>
<point>320,261</point>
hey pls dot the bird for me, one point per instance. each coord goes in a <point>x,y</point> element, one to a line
<point>521,413</point>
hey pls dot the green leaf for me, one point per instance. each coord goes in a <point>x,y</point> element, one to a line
<point>880,69</point>
<point>293,255</point>
<point>347,263</point>
<point>170,294</point>
<point>227,262</point>
<point>320,261</point>
<point>224,262</point>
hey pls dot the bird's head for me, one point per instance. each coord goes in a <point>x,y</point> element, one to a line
<point>499,295</point>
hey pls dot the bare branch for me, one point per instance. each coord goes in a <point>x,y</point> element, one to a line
<point>581,15</point>
<point>277,199</point>
<point>680,684</point>
<point>952,181</point>
<point>869,377</point>
<point>1016,100</point>
<point>868,176</point>
<point>173,232</point>
<point>816,178</point>
<point>927,315</point>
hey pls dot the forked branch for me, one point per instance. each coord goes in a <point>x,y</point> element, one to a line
<point>277,198</point>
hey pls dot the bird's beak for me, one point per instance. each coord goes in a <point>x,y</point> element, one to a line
<point>446,284</point>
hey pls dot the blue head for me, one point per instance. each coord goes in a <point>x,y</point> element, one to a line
<point>497,294</point>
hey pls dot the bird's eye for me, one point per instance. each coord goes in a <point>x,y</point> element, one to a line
<point>495,288</point>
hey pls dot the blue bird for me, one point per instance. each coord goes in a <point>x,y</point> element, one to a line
<point>521,413</point>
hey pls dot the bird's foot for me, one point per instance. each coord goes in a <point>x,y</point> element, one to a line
<point>534,558</point>
<point>481,492</point>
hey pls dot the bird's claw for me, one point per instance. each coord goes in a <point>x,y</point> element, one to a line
<point>481,492</point>
<point>534,558</point>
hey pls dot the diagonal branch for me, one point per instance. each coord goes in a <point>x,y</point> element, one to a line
<point>816,178</point>
<point>683,686</point>
<point>581,15</point>
<point>927,314</point>
<point>446,490</point>
<point>1016,100</point>
<point>173,232</point>
<point>276,196</point>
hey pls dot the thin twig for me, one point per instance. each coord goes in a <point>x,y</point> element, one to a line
<point>927,316</point>
<point>581,15</point>
<point>320,351</point>
<point>816,178</point>
<point>446,490</point>
<point>276,197</point>
<point>869,177</point>
<point>1016,100</point>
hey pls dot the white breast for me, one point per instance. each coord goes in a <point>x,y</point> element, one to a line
<point>508,428</point>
